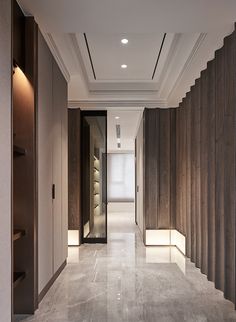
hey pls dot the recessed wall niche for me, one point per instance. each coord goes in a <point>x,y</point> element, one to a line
<point>24,230</point>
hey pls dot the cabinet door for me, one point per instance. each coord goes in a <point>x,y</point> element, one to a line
<point>60,167</point>
<point>45,143</point>
<point>64,137</point>
<point>57,166</point>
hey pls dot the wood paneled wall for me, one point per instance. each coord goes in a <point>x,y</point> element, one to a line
<point>205,169</point>
<point>159,168</point>
<point>74,169</point>
<point>5,159</point>
<point>190,168</point>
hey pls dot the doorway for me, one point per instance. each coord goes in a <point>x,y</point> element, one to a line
<point>94,176</point>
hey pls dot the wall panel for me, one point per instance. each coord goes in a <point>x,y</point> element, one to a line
<point>164,170</point>
<point>151,137</point>
<point>74,174</point>
<point>219,164</point>
<point>204,146</point>
<point>190,169</point>
<point>211,171</point>
<point>45,220</point>
<point>211,196</point>
<point>229,159</point>
<point>5,160</point>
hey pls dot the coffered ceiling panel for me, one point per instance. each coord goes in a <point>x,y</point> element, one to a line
<point>169,44</point>
<point>104,54</point>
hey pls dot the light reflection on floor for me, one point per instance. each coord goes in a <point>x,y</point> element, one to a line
<point>166,254</point>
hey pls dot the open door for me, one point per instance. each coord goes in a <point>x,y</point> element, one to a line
<point>94,176</point>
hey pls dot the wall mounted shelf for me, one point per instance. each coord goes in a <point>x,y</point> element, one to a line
<point>18,233</point>
<point>18,277</point>
<point>18,151</point>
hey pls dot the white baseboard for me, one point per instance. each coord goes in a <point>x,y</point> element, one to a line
<point>166,237</point>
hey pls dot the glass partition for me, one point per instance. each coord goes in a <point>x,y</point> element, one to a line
<point>94,176</point>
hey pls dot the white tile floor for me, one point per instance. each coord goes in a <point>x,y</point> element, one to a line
<point>124,281</point>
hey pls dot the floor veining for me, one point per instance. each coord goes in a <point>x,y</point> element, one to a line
<point>124,281</point>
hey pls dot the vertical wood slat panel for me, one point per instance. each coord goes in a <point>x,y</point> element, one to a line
<point>204,169</point>
<point>178,176</point>
<point>181,169</point>
<point>184,172</point>
<point>151,170</point>
<point>211,170</point>
<point>164,170</point>
<point>229,153</point>
<point>219,183</point>
<point>74,169</point>
<point>173,168</point>
<point>197,174</point>
<point>193,140</point>
<point>188,175</point>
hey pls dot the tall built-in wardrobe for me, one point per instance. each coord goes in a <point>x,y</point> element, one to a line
<point>52,167</point>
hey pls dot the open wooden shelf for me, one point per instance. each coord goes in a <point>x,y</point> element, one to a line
<point>18,151</point>
<point>18,233</point>
<point>18,277</point>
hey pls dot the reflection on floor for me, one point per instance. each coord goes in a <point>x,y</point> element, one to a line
<point>124,281</point>
<point>99,228</point>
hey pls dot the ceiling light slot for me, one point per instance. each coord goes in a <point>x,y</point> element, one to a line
<point>118,131</point>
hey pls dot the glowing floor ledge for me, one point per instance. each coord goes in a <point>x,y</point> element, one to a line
<point>166,237</point>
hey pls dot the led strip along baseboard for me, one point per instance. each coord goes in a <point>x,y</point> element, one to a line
<point>166,237</point>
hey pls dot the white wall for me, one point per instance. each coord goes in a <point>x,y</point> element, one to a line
<point>5,160</point>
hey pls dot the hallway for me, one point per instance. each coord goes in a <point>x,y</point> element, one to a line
<point>124,281</point>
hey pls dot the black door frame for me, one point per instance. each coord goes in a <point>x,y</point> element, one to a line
<point>102,240</point>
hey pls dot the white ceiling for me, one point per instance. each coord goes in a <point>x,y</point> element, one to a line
<point>129,122</point>
<point>108,54</point>
<point>194,30</point>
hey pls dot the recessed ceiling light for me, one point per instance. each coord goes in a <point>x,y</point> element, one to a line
<point>124,66</point>
<point>124,41</point>
<point>117,117</point>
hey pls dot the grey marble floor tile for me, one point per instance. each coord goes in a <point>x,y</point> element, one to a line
<point>124,281</point>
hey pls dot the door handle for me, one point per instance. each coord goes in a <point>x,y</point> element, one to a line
<point>53,191</point>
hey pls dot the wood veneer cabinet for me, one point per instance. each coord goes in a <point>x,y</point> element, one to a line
<point>24,199</point>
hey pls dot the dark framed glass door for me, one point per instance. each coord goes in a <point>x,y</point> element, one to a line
<point>94,176</point>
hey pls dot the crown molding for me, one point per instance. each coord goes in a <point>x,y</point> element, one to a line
<point>107,104</point>
<point>193,53</point>
<point>56,54</point>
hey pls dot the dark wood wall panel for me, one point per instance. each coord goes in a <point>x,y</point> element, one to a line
<point>74,174</point>
<point>24,198</point>
<point>172,168</point>
<point>181,169</point>
<point>190,163</point>
<point>188,174</point>
<point>219,164</point>
<point>229,174</point>
<point>211,171</point>
<point>205,169</point>
<point>151,169</point>
<point>164,220</point>
<point>159,168</point>
<point>197,197</point>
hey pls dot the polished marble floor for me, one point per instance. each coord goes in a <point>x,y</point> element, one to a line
<point>124,281</point>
